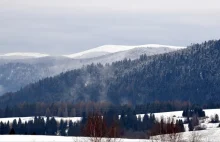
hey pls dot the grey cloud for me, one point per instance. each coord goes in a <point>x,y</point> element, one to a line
<point>59,31</point>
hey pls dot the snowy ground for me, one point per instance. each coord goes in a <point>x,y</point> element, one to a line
<point>22,138</point>
<point>209,135</point>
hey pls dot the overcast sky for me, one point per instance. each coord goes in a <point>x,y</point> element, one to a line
<point>69,26</point>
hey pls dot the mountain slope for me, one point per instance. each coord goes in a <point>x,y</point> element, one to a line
<point>13,76</point>
<point>191,74</point>
<point>43,66</point>
<point>132,54</point>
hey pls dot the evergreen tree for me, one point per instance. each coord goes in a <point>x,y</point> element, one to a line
<point>12,131</point>
<point>2,128</point>
<point>190,125</point>
<point>181,126</point>
<point>19,127</point>
<point>216,118</point>
<point>63,127</point>
<point>122,120</point>
<point>71,128</point>
<point>14,125</point>
<point>51,126</point>
<point>146,122</point>
<point>84,118</point>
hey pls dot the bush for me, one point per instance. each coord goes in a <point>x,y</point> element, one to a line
<point>200,127</point>
<point>215,119</point>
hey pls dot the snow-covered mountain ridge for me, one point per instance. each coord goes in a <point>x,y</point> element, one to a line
<point>91,53</point>
<point>108,49</point>
<point>24,55</point>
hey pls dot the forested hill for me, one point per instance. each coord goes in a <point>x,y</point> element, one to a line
<point>191,74</point>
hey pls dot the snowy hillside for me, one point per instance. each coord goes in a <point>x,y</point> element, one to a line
<point>108,49</point>
<point>130,54</point>
<point>19,69</point>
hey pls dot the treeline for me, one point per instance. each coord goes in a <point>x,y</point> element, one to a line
<point>76,110</point>
<point>129,125</point>
<point>191,112</point>
<point>38,126</point>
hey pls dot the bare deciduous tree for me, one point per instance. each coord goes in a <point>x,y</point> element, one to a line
<point>195,137</point>
<point>97,130</point>
<point>166,131</point>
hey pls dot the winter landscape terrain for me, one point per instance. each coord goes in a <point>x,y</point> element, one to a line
<point>133,84</point>
<point>109,71</point>
<point>211,132</point>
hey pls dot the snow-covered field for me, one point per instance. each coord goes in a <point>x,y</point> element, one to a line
<point>23,138</point>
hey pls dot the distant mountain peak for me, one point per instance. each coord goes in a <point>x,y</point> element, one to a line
<point>107,49</point>
<point>24,55</point>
